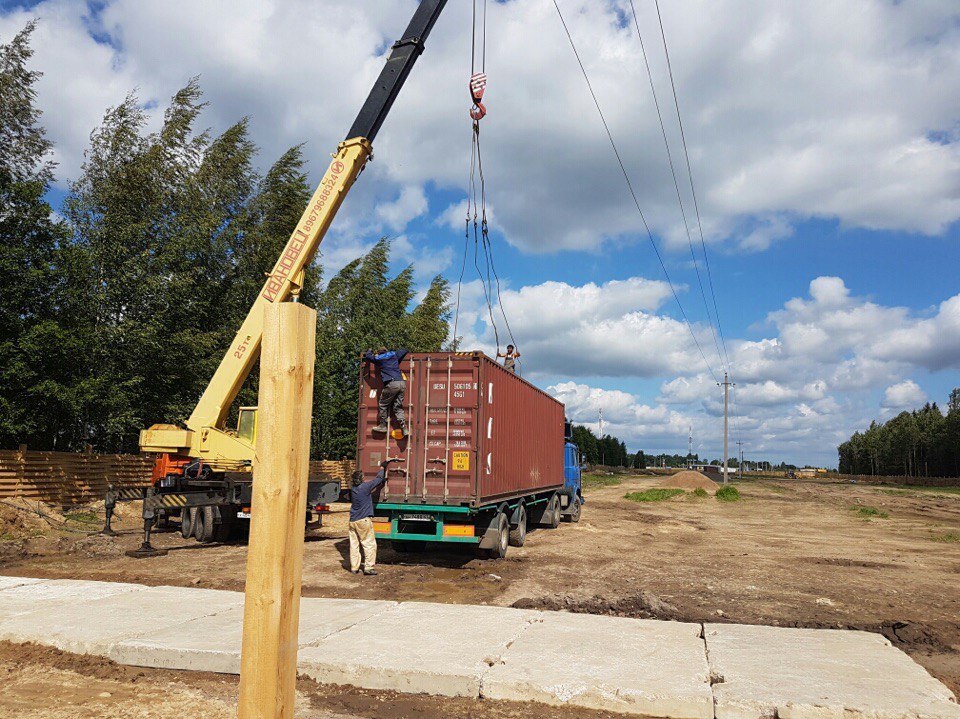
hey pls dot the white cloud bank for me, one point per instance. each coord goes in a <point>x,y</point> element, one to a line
<point>833,361</point>
<point>792,109</point>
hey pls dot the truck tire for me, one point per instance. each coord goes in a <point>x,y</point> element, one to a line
<point>187,515</point>
<point>518,535</point>
<point>499,550</point>
<point>574,514</point>
<point>553,512</point>
<point>204,526</point>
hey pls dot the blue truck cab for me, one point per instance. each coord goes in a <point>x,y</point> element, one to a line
<point>571,499</point>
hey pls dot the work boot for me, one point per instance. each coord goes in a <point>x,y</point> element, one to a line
<point>380,429</point>
<point>370,572</point>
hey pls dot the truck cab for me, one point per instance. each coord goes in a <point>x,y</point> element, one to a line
<point>571,499</point>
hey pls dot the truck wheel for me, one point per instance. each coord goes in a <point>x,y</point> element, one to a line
<point>204,527</point>
<point>499,550</point>
<point>574,514</point>
<point>187,515</point>
<point>518,535</point>
<point>553,512</point>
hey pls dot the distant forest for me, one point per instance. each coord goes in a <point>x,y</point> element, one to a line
<point>922,443</point>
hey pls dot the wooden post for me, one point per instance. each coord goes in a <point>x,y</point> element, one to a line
<point>271,617</point>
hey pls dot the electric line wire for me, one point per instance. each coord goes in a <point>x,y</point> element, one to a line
<point>693,192</point>
<point>633,194</point>
<point>676,185</point>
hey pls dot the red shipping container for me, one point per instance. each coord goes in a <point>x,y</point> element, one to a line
<point>478,434</point>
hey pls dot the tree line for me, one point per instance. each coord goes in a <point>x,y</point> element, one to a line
<point>117,308</point>
<point>921,443</point>
<point>606,450</point>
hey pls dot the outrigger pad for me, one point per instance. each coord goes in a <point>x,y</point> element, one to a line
<point>144,552</point>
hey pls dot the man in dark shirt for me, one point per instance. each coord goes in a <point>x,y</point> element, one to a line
<point>394,386</point>
<point>361,520</point>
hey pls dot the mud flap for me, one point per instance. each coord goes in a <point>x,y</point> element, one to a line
<point>491,534</point>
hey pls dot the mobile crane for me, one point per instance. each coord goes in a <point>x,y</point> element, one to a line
<point>204,470</point>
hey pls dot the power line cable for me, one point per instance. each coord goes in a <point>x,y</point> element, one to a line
<point>676,185</point>
<point>693,192</point>
<point>633,194</point>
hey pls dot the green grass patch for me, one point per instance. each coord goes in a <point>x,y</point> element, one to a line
<point>728,494</point>
<point>897,492</point>
<point>82,517</point>
<point>657,494</point>
<point>949,537</point>
<point>870,512</point>
<point>6,537</point>
<point>599,480</point>
<point>700,492</point>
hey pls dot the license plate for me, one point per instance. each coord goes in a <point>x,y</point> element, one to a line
<point>417,517</point>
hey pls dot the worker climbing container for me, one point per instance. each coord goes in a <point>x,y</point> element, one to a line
<point>481,441</point>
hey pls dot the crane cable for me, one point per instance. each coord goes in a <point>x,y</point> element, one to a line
<point>476,214</point>
<point>633,193</point>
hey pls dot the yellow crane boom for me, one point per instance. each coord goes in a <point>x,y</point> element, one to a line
<point>205,435</point>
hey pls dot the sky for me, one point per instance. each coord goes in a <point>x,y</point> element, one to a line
<point>824,147</point>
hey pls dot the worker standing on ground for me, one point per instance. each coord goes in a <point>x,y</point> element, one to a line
<point>361,520</point>
<point>394,386</point>
<point>509,359</point>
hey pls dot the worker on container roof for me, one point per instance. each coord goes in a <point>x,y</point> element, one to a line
<point>394,387</point>
<point>361,520</point>
<point>509,359</point>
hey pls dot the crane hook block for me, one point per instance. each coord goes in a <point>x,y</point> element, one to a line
<point>478,83</point>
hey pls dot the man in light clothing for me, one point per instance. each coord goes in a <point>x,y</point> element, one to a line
<point>361,520</point>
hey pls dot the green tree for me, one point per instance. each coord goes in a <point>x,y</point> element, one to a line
<point>36,350</point>
<point>363,308</point>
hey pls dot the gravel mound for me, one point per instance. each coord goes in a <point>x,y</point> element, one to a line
<point>690,480</point>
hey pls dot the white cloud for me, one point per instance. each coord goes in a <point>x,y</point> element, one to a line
<point>904,395</point>
<point>411,203</point>
<point>819,122</point>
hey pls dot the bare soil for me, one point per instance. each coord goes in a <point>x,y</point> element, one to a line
<point>790,553</point>
<point>44,683</point>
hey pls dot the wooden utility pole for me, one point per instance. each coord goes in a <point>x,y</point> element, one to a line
<point>271,617</point>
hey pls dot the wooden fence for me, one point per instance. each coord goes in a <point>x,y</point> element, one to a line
<point>67,479</point>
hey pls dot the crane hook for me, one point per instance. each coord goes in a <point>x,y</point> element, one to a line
<point>478,83</point>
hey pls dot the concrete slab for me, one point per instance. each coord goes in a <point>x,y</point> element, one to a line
<point>633,666</point>
<point>93,626</point>
<point>416,647</point>
<point>48,596</point>
<point>8,582</point>
<point>818,674</point>
<point>212,643</point>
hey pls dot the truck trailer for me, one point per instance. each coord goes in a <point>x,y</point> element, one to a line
<point>486,455</point>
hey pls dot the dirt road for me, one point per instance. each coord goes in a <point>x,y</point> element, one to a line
<point>789,553</point>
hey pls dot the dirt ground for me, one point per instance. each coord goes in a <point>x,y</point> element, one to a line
<point>790,553</point>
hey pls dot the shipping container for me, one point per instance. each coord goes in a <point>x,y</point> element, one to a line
<point>481,441</point>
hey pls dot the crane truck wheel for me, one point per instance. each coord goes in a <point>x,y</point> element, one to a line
<point>187,515</point>
<point>518,535</point>
<point>207,528</point>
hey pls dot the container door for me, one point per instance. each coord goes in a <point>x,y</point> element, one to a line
<point>442,458</point>
<point>375,447</point>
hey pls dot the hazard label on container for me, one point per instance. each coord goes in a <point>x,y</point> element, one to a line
<point>461,461</point>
